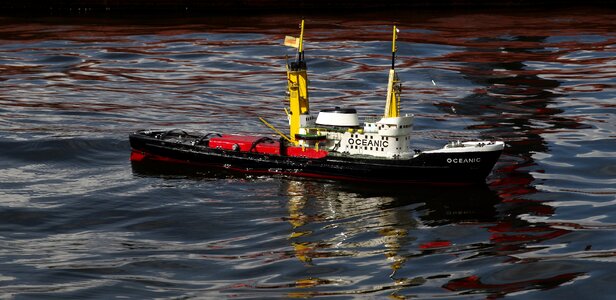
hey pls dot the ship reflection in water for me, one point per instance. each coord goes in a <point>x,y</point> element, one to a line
<point>400,234</point>
<point>398,220</point>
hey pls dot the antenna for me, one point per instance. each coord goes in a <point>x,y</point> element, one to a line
<point>300,49</point>
<point>393,46</point>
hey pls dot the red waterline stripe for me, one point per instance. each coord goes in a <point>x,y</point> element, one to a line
<point>142,155</point>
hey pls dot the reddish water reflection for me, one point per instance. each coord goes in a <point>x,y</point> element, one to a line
<point>473,285</point>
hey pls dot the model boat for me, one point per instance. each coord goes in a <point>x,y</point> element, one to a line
<point>332,145</point>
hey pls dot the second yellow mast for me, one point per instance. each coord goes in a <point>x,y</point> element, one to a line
<point>392,104</point>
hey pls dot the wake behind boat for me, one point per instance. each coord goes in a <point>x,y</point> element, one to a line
<point>334,145</point>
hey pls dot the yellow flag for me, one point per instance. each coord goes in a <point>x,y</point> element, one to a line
<point>291,41</point>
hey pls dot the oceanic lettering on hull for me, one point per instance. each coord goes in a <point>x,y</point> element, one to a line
<point>368,143</point>
<point>463,160</point>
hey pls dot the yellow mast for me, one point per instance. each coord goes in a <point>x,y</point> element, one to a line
<point>297,79</point>
<point>392,104</point>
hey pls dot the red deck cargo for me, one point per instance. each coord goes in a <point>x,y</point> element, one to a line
<point>244,142</point>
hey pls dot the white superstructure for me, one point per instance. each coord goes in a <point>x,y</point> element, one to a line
<point>339,131</point>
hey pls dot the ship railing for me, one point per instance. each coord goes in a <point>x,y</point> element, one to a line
<point>373,119</point>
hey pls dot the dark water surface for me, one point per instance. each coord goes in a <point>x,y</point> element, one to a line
<point>78,221</point>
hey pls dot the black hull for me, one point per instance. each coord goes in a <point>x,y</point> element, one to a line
<point>432,168</point>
